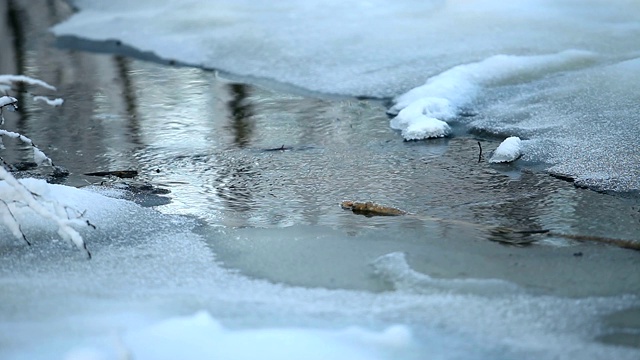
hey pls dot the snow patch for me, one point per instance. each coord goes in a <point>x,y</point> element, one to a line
<point>509,150</point>
<point>8,100</point>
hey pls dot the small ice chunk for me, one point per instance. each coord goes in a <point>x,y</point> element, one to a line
<point>508,151</point>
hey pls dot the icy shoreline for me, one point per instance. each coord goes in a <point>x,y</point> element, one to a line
<point>264,251</point>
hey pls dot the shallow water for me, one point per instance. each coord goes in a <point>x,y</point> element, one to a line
<point>272,247</point>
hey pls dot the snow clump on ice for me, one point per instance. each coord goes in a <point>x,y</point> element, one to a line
<point>509,150</point>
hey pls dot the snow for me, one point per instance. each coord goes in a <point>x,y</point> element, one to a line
<point>509,150</point>
<point>52,102</point>
<point>460,84</point>
<point>29,200</point>
<point>7,100</point>
<point>6,81</point>
<point>423,119</point>
<point>202,337</point>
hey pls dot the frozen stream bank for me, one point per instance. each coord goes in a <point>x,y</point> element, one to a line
<point>250,255</point>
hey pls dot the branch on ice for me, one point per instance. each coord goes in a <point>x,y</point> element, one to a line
<point>38,156</point>
<point>52,102</point>
<point>7,82</point>
<point>18,195</point>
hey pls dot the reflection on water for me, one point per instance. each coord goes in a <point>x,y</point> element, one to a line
<point>216,146</point>
<point>241,156</point>
<point>241,111</point>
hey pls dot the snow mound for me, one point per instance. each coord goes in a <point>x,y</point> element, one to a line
<point>202,337</point>
<point>509,150</point>
<point>421,119</point>
<point>423,127</point>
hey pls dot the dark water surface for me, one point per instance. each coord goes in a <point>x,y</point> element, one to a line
<point>266,171</point>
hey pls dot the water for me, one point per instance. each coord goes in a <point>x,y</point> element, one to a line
<point>266,250</point>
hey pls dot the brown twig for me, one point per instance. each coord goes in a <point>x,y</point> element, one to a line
<point>505,235</point>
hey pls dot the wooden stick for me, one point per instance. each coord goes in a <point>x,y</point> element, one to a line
<point>500,233</point>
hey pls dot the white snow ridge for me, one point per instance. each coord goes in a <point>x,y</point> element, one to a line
<point>509,150</point>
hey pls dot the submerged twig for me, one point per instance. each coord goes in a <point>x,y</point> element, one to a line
<point>501,234</point>
<point>623,243</point>
<point>123,174</point>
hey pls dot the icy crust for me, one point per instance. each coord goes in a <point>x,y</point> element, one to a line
<point>394,268</point>
<point>509,150</point>
<point>584,123</point>
<point>422,112</point>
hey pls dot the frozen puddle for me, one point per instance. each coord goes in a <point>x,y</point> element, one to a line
<point>154,290</point>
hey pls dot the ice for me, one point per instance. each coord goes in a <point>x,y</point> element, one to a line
<point>6,82</point>
<point>394,268</point>
<point>509,150</point>
<point>584,123</point>
<point>151,272</point>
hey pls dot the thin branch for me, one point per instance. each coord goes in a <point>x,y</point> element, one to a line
<point>12,223</point>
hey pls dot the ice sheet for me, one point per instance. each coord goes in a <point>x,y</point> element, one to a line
<point>150,273</point>
<point>368,48</point>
